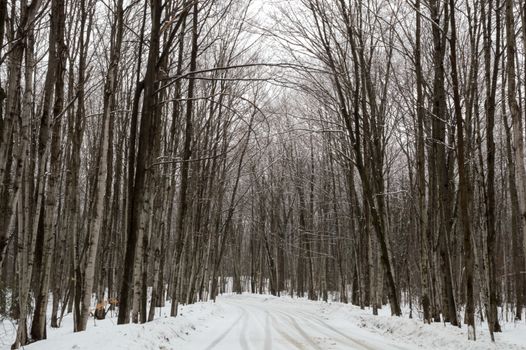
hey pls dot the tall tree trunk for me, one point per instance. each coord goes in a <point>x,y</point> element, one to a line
<point>96,220</point>
<point>143,170</point>
<point>51,202</point>
<point>464,186</point>
<point>518,139</point>
<point>421,172</point>
<point>491,86</point>
<point>187,147</point>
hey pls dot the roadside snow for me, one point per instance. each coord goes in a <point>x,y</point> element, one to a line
<point>163,333</point>
<point>440,336</point>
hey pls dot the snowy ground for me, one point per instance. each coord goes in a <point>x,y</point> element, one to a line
<point>251,322</point>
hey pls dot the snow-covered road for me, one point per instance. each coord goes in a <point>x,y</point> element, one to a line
<point>264,323</point>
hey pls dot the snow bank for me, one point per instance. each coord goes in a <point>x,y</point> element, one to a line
<point>163,333</point>
<point>428,336</point>
<point>440,336</point>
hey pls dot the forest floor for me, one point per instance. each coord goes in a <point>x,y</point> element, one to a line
<point>251,322</point>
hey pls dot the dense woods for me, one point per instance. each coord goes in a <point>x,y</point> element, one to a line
<point>369,152</point>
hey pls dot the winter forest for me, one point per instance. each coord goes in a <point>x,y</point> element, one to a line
<point>349,156</point>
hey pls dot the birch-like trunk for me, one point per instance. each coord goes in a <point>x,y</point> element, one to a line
<point>51,202</point>
<point>102,174</point>
<point>517,126</point>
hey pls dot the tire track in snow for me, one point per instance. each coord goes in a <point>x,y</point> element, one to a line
<point>256,315</point>
<point>310,317</point>
<point>285,335</point>
<point>271,325</point>
<point>225,333</point>
<point>243,336</point>
<point>315,324</point>
<point>300,330</point>
<point>292,321</point>
<point>297,329</point>
<point>325,326</point>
